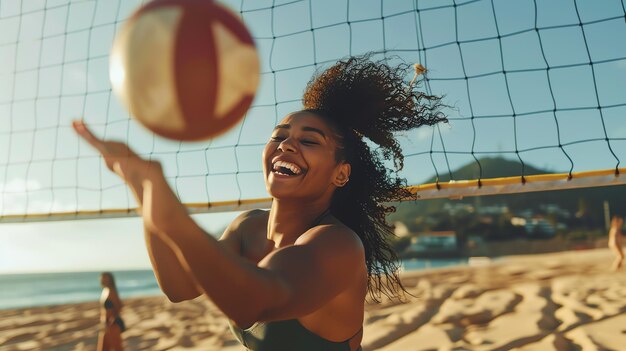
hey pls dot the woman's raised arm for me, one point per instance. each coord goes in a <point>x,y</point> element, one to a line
<point>119,158</point>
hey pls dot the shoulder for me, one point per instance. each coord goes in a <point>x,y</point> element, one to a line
<point>247,223</point>
<point>333,254</point>
<point>246,220</point>
<point>334,239</point>
<point>105,294</point>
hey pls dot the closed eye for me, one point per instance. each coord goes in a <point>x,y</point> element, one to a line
<point>309,142</point>
<point>277,138</point>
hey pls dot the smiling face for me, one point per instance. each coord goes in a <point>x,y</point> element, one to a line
<point>299,159</point>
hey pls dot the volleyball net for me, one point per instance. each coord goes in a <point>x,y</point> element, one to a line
<point>538,83</point>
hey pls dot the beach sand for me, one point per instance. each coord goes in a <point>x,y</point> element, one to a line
<point>560,301</point>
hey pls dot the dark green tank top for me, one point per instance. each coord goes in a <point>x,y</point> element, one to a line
<point>288,335</point>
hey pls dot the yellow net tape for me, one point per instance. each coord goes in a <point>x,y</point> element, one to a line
<point>452,190</point>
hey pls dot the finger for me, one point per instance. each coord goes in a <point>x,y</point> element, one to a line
<point>81,128</point>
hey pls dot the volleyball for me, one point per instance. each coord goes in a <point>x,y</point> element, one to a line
<point>186,69</point>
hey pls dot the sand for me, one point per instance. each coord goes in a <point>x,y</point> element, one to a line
<point>561,301</point>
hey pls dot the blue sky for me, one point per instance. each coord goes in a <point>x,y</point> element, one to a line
<point>54,68</point>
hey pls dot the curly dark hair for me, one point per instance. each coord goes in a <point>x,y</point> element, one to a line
<point>362,99</point>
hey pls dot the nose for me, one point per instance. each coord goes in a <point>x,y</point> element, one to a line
<point>287,146</point>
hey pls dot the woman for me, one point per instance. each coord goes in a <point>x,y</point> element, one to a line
<point>110,338</point>
<point>295,277</point>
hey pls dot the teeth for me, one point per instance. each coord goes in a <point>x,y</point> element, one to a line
<point>292,167</point>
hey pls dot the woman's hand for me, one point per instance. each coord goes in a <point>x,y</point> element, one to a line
<point>120,159</point>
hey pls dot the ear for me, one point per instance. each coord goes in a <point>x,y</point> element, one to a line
<point>343,175</point>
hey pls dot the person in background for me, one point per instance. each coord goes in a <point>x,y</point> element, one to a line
<point>110,338</point>
<point>615,241</point>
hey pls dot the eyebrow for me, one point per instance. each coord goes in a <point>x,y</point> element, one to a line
<point>306,129</point>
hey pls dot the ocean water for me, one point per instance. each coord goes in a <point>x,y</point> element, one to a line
<point>420,263</point>
<point>29,290</point>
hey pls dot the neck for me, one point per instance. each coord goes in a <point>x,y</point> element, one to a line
<point>289,219</point>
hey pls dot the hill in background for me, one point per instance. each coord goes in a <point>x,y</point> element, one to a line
<point>587,202</point>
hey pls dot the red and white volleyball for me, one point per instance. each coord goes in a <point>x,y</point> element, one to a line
<point>186,69</point>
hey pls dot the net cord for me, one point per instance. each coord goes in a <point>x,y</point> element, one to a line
<point>454,189</point>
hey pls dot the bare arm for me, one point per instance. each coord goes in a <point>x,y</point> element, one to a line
<point>173,279</point>
<point>615,232</point>
<point>103,311</point>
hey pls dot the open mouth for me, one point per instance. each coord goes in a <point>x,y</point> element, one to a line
<point>286,169</point>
